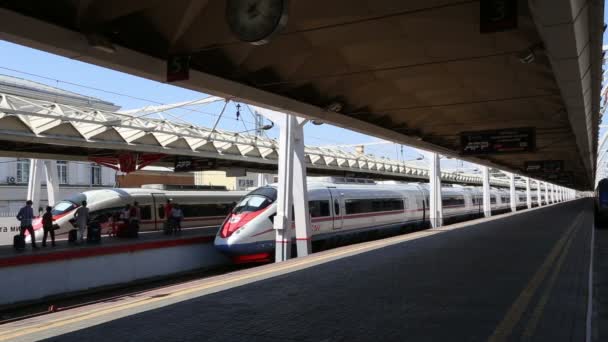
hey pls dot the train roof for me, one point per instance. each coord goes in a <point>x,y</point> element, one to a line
<point>103,194</point>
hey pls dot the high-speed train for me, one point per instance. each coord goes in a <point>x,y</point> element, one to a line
<point>200,208</point>
<point>340,207</point>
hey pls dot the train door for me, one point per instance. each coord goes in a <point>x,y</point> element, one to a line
<point>337,199</point>
<point>158,203</point>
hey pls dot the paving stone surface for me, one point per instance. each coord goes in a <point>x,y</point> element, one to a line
<point>459,285</point>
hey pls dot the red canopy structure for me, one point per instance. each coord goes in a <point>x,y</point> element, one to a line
<point>128,162</point>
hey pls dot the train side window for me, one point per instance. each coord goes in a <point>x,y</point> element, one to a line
<point>453,201</point>
<point>358,206</point>
<point>104,215</point>
<point>493,199</point>
<point>318,208</point>
<point>336,207</point>
<point>146,212</point>
<point>205,210</point>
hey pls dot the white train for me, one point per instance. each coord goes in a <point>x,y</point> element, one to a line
<point>342,207</point>
<point>200,208</point>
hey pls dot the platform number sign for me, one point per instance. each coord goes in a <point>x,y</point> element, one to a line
<point>178,68</point>
<point>497,15</point>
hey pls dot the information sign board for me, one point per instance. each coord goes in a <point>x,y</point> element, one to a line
<point>498,141</point>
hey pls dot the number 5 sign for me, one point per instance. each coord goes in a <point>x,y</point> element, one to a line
<point>178,68</point>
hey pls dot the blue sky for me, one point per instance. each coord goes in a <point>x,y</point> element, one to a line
<point>57,71</point>
<point>16,60</point>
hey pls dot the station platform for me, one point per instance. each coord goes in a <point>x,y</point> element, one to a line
<point>69,269</point>
<point>108,245</point>
<point>513,277</point>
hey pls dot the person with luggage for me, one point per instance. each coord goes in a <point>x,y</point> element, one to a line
<point>82,219</point>
<point>25,217</point>
<point>176,217</point>
<point>47,226</point>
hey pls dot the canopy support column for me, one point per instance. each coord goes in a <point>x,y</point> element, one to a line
<point>300,191</point>
<point>539,197</point>
<point>34,184</point>
<point>528,193</point>
<point>512,195</point>
<point>52,181</point>
<point>487,207</point>
<point>292,191</point>
<point>435,205</point>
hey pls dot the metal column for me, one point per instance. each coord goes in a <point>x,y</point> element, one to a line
<point>282,222</point>
<point>300,191</point>
<point>34,183</point>
<point>539,197</point>
<point>487,208</point>
<point>528,193</point>
<point>547,193</point>
<point>512,195</point>
<point>52,181</point>
<point>435,205</point>
<point>291,190</point>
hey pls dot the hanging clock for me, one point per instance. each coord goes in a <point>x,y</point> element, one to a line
<point>255,21</point>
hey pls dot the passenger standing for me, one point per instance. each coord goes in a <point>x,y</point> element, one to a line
<point>82,219</point>
<point>47,225</point>
<point>168,208</point>
<point>177,215</point>
<point>124,215</point>
<point>25,216</point>
<point>134,218</point>
<point>135,213</point>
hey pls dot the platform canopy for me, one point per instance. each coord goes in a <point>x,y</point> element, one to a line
<point>417,72</point>
<point>38,128</point>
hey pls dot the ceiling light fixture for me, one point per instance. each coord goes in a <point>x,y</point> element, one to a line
<point>101,43</point>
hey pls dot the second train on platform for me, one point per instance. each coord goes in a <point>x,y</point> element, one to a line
<point>342,207</point>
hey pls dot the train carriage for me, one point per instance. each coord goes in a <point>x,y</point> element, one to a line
<point>200,207</point>
<point>342,207</point>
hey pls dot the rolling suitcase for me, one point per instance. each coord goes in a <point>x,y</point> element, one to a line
<point>94,233</point>
<point>133,230</point>
<point>19,242</point>
<point>73,236</point>
<point>167,228</point>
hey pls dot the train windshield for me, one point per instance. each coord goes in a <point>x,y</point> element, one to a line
<point>62,207</point>
<point>256,200</point>
<point>68,204</point>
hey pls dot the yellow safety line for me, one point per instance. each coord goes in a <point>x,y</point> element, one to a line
<point>314,259</point>
<point>540,307</point>
<point>504,329</point>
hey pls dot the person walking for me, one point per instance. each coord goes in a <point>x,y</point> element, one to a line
<point>25,216</point>
<point>82,219</point>
<point>47,225</point>
<point>176,216</point>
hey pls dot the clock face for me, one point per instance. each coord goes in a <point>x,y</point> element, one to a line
<point>254,21</point>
